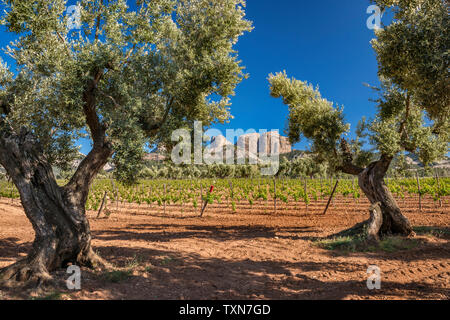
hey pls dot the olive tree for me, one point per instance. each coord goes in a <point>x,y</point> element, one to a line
<point>413,109</point>
<point>125,79</point>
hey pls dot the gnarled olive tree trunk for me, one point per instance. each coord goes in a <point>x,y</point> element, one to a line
<point>57,214</point>
<point>386,217</point>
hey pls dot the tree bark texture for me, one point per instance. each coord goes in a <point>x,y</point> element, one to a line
<point>386,217</point>
<point>371,181</point>
<point>57,214</point>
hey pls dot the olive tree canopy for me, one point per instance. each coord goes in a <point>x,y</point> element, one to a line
<point>126,78</point>
<point>133,74</point>
<point>413,107</point>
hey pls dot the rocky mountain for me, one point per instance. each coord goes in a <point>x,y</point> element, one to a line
<point>223,148</point>
<point>251,146</point>
<point>219,142</point>
<point>249,142</point>
<point>263,143</point>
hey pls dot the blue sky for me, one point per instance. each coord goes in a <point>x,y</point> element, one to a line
<point>326,43</point>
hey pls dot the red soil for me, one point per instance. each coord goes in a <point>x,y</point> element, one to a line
<point>253,254</point>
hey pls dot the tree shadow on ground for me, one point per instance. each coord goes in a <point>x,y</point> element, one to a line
<point>423,246</point>
<point>190,276</point>
<point>165,274</point>
<point>11,248</point>
<point>156,233</point>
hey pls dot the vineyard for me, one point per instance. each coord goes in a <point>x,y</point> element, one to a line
<point>265,196</point>
<point>258,239</point>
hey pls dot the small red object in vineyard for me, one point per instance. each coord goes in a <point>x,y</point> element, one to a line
<point>206,201</point>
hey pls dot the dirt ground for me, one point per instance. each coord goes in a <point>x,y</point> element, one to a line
<point>253,254</point>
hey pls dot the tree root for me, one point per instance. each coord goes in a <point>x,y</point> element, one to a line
<point>26,272</point>
<point>32,272</point>
<point>370,230</point>
<point>93,261</point>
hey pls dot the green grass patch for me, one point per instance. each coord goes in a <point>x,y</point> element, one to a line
<point>148,269</point>
<point>358,244</point>
<point>433,231</point>
<point>393,244</point>
<point>340,243</point>
<point>117,276</point>
<point>50,296</point>
<point>134,262</point>
<point>166,261</point>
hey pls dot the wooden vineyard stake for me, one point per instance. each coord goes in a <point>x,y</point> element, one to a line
<point>11,193</point>
<point>117,199</point>
<point>151,193</point>
<point>102,205</point>
<point>116,191</point>
<point>228,196</point>
<point>418,190</point>
<point>231,191</point>
<point>439,188</point>
<point>206,201</point>
<point>165,195</point>
<point>331,197</point>
<point>134,194</point>
<point>275,195</point>
<point>306,193</point>
<point>321,190</point>
<point>353,189</point>
<point>332,200</point>
<point>141,194</point>
<point>259,190</point>
<point>201,196</point>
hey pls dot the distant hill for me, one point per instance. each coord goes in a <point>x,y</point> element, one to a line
<point>413,161</point>
<point>295,154</point>
<point>108,167</point>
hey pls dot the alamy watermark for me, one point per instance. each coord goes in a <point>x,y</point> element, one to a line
<point>253,147</point>
<point>73,14</point>
<point>374,21</point>
<point>374,279</point>
<point>74,281</point>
